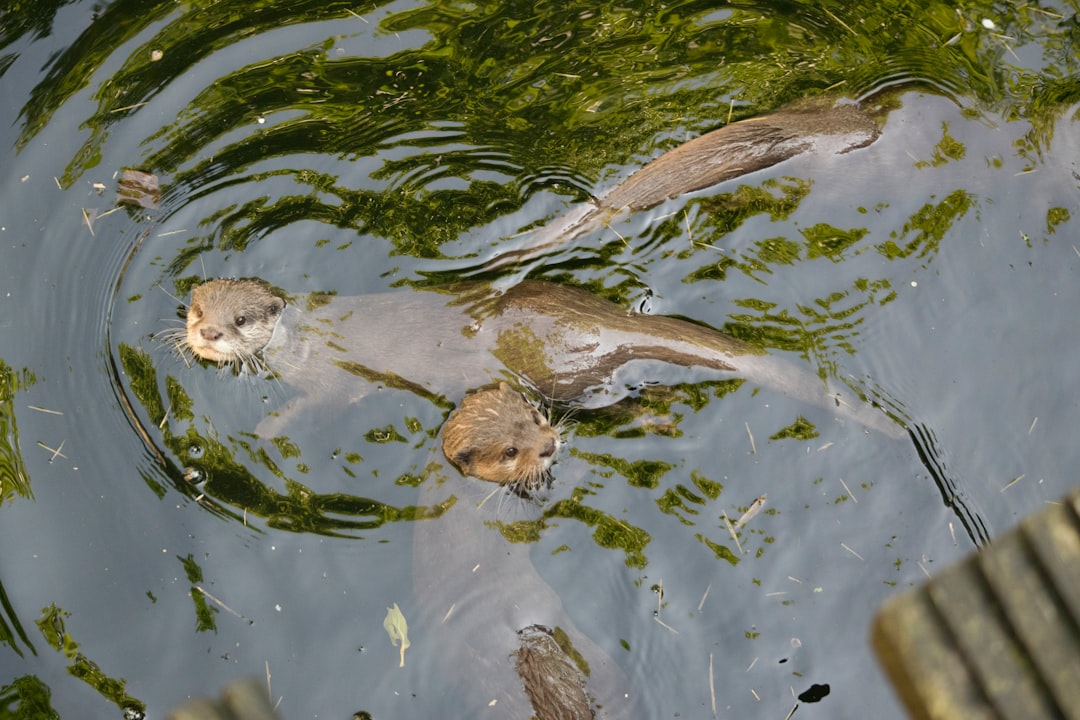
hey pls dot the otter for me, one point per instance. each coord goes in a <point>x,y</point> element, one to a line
<point>503,632</point>
<point>564,342</point>
<point>496,435</point>
<point>818,124</point>
<point>512,641</point>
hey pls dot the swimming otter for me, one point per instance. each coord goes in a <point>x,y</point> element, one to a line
<point>821,124</point>
<point>496,435</point>
<point>516,653</point>
<point>564,342</point>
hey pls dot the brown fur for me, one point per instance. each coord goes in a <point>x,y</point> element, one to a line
<point>496,435</point>
<point>229,321</point>
<point>445,342</point>
<point>553,683</point>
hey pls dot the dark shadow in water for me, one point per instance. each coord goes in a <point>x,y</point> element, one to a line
<point>932,458</point>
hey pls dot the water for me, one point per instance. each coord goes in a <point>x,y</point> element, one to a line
<point>326,146</point>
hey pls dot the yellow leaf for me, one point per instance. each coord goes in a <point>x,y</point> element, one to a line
<point>397,629</point>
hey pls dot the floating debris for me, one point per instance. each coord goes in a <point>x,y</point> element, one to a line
<point>754,509</point>
<point>139,188</point>
<point>397,629</point>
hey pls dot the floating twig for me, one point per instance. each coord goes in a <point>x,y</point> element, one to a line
<point>712,686</point>
<point>1012,482</point>
<point>848,491</point>
<point>665,625</point>
<point>220,604</point>
<point>734,535</point>
<point>754,509</point>
<point>55,451</point>
<point>844,545</point>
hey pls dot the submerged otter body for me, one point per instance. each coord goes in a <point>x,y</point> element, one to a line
<point>486,607</point>
<point>818,124</point>
<point>566,343</point>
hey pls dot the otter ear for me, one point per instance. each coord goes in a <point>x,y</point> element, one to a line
<point>276,306</point>
<point>464,459</point>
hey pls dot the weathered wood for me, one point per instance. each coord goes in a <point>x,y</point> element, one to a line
<point>997,636</point>
<point>240,700</point>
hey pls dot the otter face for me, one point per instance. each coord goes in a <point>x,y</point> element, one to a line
<point>230,321</point>
<point>496,435</point>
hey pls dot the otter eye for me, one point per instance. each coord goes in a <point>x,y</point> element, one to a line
<point>510,452</point>
<point>240,320</point>
<point>195,310</point>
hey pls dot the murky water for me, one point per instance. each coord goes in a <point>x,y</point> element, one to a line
<point>356,149</point>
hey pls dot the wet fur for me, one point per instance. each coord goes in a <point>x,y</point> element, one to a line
<point>498,436</point>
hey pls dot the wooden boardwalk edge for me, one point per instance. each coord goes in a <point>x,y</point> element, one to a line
<point>997,635</point>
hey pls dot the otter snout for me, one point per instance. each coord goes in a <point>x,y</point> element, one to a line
<point>231,321</point>
<point>549,449</point>
<point>211,334</point>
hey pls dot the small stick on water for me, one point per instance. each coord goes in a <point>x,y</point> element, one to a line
<point>1033,424</point>
<point>89,221</point>
<point>690,235</point>
<point>618,234</point>
<point>734,535</point>
<point>848,491</point>
<point>754,509</point>
<point>448,613</point>
<point>754,693</point>
<point>659,597</point>
<point>1012,482</point>
<point>45,410</point>
<point>165,417</point>
<point>55,451</point>
<point>952,533</point>
<point>665,625</point>
<point>269,691</point>
<point>788,716</point>
<point>223,606</point>
<point>753,447</point>
<point>128,107</point>
<point>712,686</point>
<point>701,604</point>
<point>844,545</point>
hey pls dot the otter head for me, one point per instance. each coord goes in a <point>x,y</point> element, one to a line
<point>230,321</point>
<point>498,436</point>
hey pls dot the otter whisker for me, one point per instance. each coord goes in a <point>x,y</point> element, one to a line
<point>487,497</point>
<point>160,287</point>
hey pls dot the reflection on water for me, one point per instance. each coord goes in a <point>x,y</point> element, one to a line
<point>13,476</point>
<point>349,148</point>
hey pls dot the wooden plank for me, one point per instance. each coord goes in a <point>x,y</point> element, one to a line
<point>996,636</point>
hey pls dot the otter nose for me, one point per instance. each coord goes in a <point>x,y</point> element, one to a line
<point>210,334</point>
<point>548,450</point>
